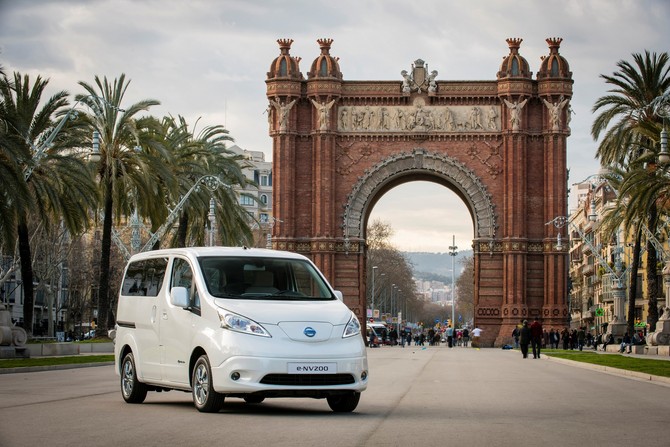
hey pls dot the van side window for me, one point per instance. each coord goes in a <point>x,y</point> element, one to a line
<point>182,276</point>
<point>145,277</point>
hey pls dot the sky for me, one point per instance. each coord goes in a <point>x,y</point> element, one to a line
<point>207,60</point>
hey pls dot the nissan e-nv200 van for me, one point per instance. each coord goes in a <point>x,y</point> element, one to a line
<point>236,322</point>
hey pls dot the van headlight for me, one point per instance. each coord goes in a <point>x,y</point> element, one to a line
<point>353,327</point>
<point>238,323</point>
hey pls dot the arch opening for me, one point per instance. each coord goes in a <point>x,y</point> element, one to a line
<point>419,165</point>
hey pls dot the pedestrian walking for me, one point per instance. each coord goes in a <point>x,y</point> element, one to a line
<point>581,337</point>
<point>536,337</point>
<point>466,337</point>
<point>565,336</point>
<point>524,338</point>
<point>515,334</point>
<point>450,336</point>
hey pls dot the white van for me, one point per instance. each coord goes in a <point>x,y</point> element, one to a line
<point>236,322</point>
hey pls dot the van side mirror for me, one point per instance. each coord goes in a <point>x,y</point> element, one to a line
<point>339,295</point>
<point>179,296</point>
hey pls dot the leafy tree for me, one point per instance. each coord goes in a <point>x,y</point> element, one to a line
<point>393,269</point>
<point>465,285</point>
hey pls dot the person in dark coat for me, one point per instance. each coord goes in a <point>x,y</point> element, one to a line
<point>524,338</point>
<point>536,338</point>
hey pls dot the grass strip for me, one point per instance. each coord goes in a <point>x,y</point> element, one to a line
<point>49,361</point>
<point>646,366</point>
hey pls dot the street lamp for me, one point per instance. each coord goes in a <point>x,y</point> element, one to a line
<point>453,253</point>
<point>374,267</point>
<point>662,109</point>
<point>211,182</point>
<point>212,221</point>
<point>94,156</point>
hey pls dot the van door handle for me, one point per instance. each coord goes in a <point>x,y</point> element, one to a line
<point>165,315</point>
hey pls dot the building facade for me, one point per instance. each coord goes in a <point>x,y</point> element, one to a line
<point>256,198</point>
<point>598,261</point>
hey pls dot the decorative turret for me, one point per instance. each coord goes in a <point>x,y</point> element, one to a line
<point>325,66</point>
<point>554,65</point>
<point>285,66</point>
<point>514,65</point>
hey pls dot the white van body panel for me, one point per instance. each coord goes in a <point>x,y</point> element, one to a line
<point>304,334</point>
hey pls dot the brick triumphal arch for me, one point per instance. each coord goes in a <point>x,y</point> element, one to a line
<point>339,145</point>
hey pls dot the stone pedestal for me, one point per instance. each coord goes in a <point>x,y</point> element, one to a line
<point>12,338</point>
<point>661,336</point>
<point>617,327</point>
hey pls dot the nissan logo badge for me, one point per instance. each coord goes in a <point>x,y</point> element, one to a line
<point>310,332</point>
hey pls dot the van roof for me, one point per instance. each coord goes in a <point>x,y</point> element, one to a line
<point>217,251</point>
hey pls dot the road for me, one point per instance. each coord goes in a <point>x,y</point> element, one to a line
<point>429,396</point>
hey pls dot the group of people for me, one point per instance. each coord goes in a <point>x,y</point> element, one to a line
<point>529,334</point>
<point>452,337</point>
<point>533,334</point>
<point>575,339</point>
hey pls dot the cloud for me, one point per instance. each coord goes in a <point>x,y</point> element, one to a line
<point>209,59</point>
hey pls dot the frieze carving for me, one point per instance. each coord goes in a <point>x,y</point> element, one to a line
<point>318,246</point>
<point>488,312</point>
<point>358,88</point>
<point>490,247</point>
<point>346,158</point>
<point>492,160</point>
<point>418,118</point>
<point>457,87</point>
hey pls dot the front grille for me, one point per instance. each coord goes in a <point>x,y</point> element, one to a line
<point>308,379</point>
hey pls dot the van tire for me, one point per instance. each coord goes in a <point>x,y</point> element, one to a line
<point>132,390</point>
<point>344,403</point>
<point>206,400</point>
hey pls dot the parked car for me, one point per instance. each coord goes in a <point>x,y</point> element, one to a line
<point>236,322</point>
<point>89,335</point>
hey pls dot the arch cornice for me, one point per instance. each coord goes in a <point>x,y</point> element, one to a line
<point>418,162</point>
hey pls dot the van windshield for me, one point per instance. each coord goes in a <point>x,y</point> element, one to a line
<point>263,278</point>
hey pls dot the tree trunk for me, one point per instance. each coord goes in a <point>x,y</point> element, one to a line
<point>182,230</point>
<point>632,288</point>
<point>105,254</point>
<point>26,276</point>
<point>652,278</point>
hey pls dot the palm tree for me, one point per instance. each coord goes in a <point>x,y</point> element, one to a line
<point>122,170</point>
<point>14,152</point>
<point>196,156</point>
<point>629,121</point>
<point>59,184</point>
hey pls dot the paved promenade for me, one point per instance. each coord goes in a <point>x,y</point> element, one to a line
<point>417,396</point>
<point>494,397</point>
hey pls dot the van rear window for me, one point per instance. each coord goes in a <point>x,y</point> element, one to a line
<point>145,277</point>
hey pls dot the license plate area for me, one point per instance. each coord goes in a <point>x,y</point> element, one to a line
<point>312,368</point>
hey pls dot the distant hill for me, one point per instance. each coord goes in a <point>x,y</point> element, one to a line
<point>435,266</point>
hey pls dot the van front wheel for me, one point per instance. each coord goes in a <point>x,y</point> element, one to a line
<point>206,400</point>
<point>133,391</point>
